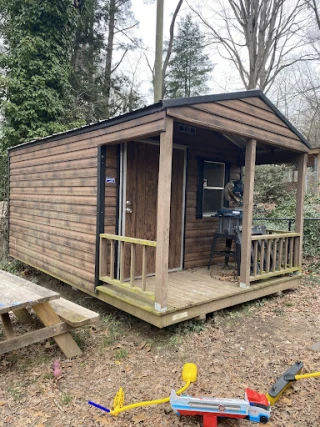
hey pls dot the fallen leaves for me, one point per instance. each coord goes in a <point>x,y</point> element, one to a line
<point>140,417</point>
<point>103,421</point>
<point>247,346</point>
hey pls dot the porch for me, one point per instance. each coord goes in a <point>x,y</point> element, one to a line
<point>171,187</point>
<point>193,293</point>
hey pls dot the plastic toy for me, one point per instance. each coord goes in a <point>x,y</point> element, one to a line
<point>189,375</point>
<point>291,374</point>
<point>255,407</point>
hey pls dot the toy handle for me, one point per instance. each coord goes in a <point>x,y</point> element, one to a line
<point>98,406</point>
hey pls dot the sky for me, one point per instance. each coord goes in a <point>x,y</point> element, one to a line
<point>145,13</point>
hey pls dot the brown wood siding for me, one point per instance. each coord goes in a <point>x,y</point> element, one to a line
<point>110,217</point>
<point>53,199</point>
<point>199,232</point>
<point>152,123</point>
<point>248,117</point>
<point>53,214</point>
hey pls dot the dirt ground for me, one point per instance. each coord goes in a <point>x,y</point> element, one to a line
<point>247,346</point>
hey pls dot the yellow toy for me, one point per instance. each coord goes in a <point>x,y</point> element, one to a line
<point>189,375</point>
<point>286,379</point>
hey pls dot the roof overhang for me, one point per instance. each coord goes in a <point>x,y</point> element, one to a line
<point>193,103</point>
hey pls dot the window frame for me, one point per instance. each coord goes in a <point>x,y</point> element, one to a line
<point>200,186</point>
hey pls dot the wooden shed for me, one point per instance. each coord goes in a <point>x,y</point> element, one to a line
<point>120,210</point>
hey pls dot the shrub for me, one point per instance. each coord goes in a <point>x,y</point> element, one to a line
<point>287,209</point>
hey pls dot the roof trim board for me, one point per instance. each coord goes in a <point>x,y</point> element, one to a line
<point>164,105</point>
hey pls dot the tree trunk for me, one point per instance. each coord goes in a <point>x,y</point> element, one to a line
<point>170,45</point>
<point>159,48</point>
<point>107,73</point>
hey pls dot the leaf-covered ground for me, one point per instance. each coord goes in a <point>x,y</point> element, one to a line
<point>247,346</point>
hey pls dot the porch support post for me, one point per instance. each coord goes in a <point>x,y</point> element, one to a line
<point>247,214</point>
<point>163,216</point>
<point>301,186</point>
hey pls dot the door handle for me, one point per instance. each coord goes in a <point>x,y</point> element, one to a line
<point>129,210</point>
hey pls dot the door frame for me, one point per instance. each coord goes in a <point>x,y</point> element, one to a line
<point>123,188</point>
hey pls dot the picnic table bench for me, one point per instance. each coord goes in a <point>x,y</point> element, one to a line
<point>58,315</point>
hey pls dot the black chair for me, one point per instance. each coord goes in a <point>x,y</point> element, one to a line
<point>227,252</point>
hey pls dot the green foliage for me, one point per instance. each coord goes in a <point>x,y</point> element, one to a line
<point>13,266</point>
<point>3,176</point>
<point>122,353</point>
<point>287,208</point>
<point>101,90</point>
<point>80,336</point>
<point>34,86</point>
<point>66,398</point>
<point>275,197</point>
<point>86,75</point>
<point>271,183</point>
<point>190,66</point>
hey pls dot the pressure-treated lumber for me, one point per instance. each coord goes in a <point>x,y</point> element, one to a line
<point>192,293</point>
<point>247,214</point>
<point>16,294</point>
<point>49,317</point>
<point>129,239</point>
<point>32,337</point>
<point>163,216</point>
<point>7,326</point>
<point>73,314</point>
<point>23,315</point>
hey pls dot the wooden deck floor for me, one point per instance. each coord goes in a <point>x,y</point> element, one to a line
<point>194,293</point>
<point>197,286</point>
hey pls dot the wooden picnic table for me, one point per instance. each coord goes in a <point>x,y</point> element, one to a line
<point>17,295</point>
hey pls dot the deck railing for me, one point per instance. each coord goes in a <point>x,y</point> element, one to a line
<point>274,254</point>
<point>107,262</point>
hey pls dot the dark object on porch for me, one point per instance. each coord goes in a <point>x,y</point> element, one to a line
<point>234,192</point>
<point>228,220</point>
<point>227,252</point>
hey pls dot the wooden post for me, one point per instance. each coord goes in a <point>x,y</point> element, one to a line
<point>247,213</point>
<point>144,267</point>
<point>163,216</point>
<point>103,257</point>
<point>7,326</point>
<point>49,317</point>
<point>302,168</point>
<point>23,315</point>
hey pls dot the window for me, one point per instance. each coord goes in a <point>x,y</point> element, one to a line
<point>211,183</point>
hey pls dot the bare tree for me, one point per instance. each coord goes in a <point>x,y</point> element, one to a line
<point>158,70</point>
<point>260,37</point>
<point>170,44</point>
<point>120,21</point>
<point>313,5</point>
<point>297,94</point>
